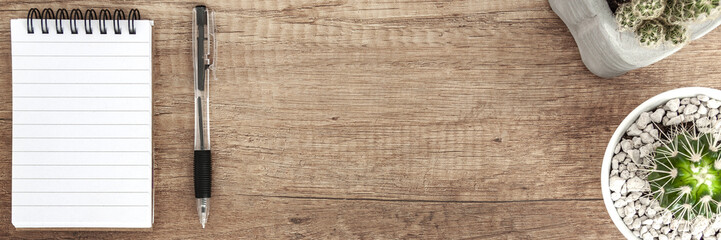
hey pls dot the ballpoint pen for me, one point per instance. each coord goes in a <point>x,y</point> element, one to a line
<point>203,54</point>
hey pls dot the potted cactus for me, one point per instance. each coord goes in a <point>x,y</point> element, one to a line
<point>661,173</point>
<point>616,36</point>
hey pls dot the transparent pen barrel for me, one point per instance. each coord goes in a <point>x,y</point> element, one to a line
<point>203,36</point>
<point>202,132</point>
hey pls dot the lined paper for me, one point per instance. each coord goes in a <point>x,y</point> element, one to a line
<point>82,127</point>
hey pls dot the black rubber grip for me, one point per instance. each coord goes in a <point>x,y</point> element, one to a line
<point>202,173</point>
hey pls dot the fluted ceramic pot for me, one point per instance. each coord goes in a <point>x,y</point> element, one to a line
<point>605,51</point>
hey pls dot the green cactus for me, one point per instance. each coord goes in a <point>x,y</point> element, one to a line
<point>676,34</point>
<point>648,9</point>
<point>686,177</point>
<point>627,21</point>
<point>674,13</point>
<point>673,16</point>
<point>650,33</point>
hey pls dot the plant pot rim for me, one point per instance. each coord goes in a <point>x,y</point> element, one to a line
<point>648,105</point>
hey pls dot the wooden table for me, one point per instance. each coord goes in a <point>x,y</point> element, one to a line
<point>380,120</point>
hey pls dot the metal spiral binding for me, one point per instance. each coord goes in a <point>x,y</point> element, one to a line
<point>74,15</point>
<point>32,14</point>
<point>104,15</point>
<point>117,16</point>
<point>77,14</point>
<point>89,15</point>
<point>61,14</point>
<point>133,15</point>
<point>44,16</point>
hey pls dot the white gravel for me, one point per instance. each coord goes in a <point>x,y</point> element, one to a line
<point>629,186</point>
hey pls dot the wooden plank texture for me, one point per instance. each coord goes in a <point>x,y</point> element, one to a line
<point>362,119</point>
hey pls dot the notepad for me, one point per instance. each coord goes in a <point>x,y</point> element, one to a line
<point>82,125</point>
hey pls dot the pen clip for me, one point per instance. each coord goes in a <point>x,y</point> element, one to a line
<point>212,45</point>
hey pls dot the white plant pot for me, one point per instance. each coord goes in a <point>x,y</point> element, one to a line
<point>605,51</point>
<point>648,105</point>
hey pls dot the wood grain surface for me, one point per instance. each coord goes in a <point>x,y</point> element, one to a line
<point>357,119</point>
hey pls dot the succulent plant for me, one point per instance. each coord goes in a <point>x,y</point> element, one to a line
<point>650,33</point>
<point>686,174</point>
<point>676,34</point>
<point>626,19</point>
<point>672,15</point>
<point>648,9</point>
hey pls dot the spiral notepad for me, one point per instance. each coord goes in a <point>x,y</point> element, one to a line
<point>82,120</point>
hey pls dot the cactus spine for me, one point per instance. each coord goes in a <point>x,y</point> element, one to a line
<point>686,174</point>
<point>669,18</point>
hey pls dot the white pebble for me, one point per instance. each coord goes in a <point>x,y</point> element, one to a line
<point>636,223</point>
<point>628,220</point>
<point>650,212</point>
<point>703,98</point>
<point>631,167</point>
<point>695,101</point>
<point>653,133</point>
<point>662,237</point>
<point>637,142</point>
<point>616,183</point>
<point>685,101</point>
<point>643,120</point>
<point>699,225</point>
<point>702,110</point>
<point>647,236</point>
<point>673,104</point>
<point>615,196</point>
<point>647,138</point>
<point>655,225</point>
<point>690,109</point>
<point>614,164</point>
<point>657,116</point>
<point>713,103</point>
<point>635,155</point>
<point>716,223</point>
<point>646,150</point>
<point>667,218</point>
<point>712,112</point>
<point>701,122</point>
<point>633,130</point>
<point>626,145</point>
<point>649,128</point>
<point>686,236</point>
<point>688,118</point>
<point>629,210</point>
<point>625,174</point>
<point>634,196</point>
<point>674,121</point>
<point>620,156</point>
<point>635,184</point>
